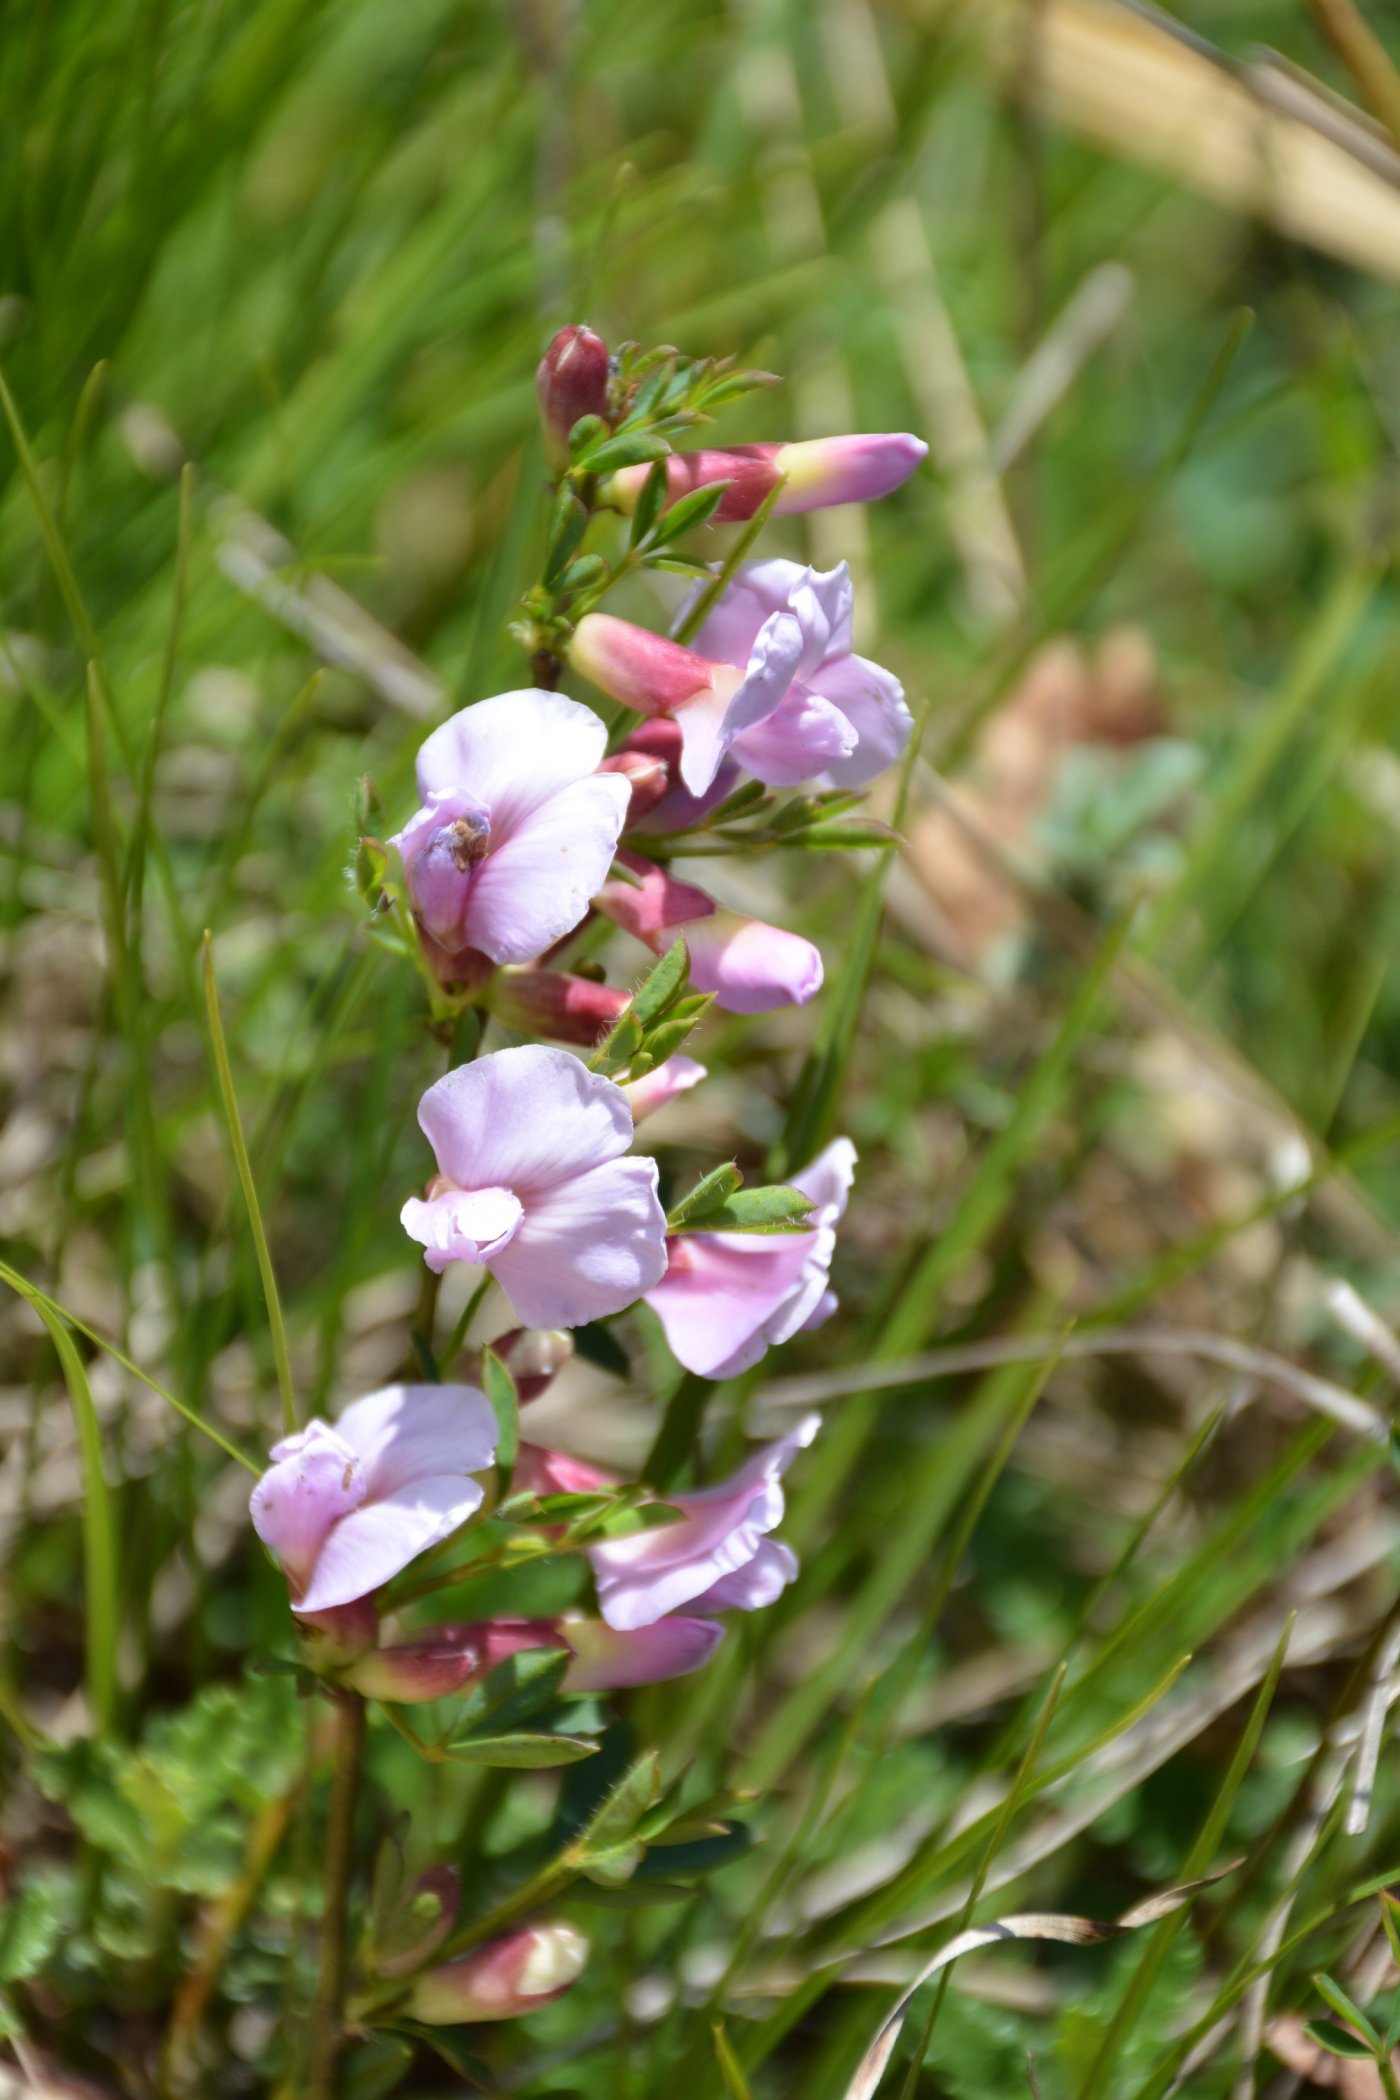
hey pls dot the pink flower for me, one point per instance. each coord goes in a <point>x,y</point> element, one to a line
<point>815,473</point>
<point>718,1557</point>
<point>531,1183</point>
<point>539,1471</point>
<point>727,1297</point>
<point>712,702</point>
<point>346,1508</point>
<point>656,1090</point>
<point>652,755</point>
<point>749,966</point>
<point>571,382</point>
<point>503,1979</point>
<point>517,826</point>
<point>843,717</point>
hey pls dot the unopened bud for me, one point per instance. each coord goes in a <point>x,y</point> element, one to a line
<point>815,473</point>
<point>334,1637</point>
<point>534,1356</point>
<point>551,1003</point>
<point>419,1923</point>
<point>542,1472</point>
<point>648,777</point>
<point>503,1980</point>
<point>572,382</point>
<point>410,1673</point>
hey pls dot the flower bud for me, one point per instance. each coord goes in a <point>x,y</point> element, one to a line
<point>429,1666</point>
<point>645,671</point>
<point>335,1637</point>
<point>751,967</point>
<point>572,382</point>
<point>607,1660</point>
<point>816,474</point>
<point>648,776</point>
<point>502,1980</point>
<point>551,1003</point>
<point>542,1472</point>
<point>534,1356</point>
<point>653,903</point>
<point>419,1922</point>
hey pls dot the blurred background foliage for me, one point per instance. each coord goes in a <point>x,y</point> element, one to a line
<point>1117,1032</point>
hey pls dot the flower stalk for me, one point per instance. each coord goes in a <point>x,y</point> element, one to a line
<point>328,2007</point>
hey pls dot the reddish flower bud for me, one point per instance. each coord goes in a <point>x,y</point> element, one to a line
<point>550,1003</point>
<point>504,1979</point>
<point>429,1666</point>
<point>419,1922</point>
<point>534,1356</point>
<point>542,1472</point>
<point>648,777</point>
<point>572,382</point>
<point>336,1636</point>
<point>645,671</point>
<point>815,474</point>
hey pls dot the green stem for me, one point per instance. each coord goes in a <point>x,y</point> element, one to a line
<point>242,1163</point>
<point>328,2009</point>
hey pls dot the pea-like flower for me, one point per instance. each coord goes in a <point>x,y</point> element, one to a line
<point>815,472</point>
<point>531,1184</point>
<point>844,717</point>
<point>727,1297</point>
<point>517,826</point>
<point>749,966</point>
<point>718,1557</point>
<point>347,1507</point>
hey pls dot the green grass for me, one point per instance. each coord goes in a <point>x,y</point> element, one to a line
<point>294,262</point>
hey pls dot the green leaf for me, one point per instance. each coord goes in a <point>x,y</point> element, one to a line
<point>613,1822</point>
<point>376,2067</point>
<point>649,504</point>
<point>568,523</point>
<point>708,1194</point>
<point>588,431</point>
<point>630,1895</point>
<point>661,985</point>
<point>775,1209</point>
<point>1345,2008</point>
<point>582,574</point>
<point>523,1752</point>
<point>695,508</point>
<point>499,1388</point>
<point>627,449</point>
<point>30,1929</point>
<point>521,1685</point>
<point>697,1855</point>
<point>1337,2042</point>
<point>666,1038</point>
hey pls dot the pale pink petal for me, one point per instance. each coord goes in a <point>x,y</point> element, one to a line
<point>461,1224</point>
<point>856,469</point>
<point>756,1585</point>
<point>522,1119</point>
<point>643,1578</point>
<point>609,1661</point>
<point>828,1178</point>
<point>377,1541</point>
<point>513,752</point>
<point>872,700</point>
<point>656,1090</point>
<point>538,881</point>
<point>587,1247</point>
<point>802,738</point>
<point>316,1480</point>
<point>719,1293</point>
<point>749,966</point>
<point>408,1432</point>
<point>710,724</point>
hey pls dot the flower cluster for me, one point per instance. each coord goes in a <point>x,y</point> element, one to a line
<point>536,832</point>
